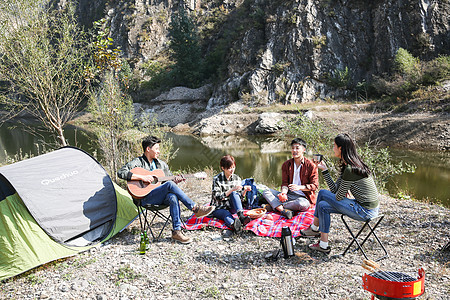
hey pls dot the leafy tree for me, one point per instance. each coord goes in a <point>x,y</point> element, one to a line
<point>185,50</point>
<point>112,107</point>
<point>42,62</point>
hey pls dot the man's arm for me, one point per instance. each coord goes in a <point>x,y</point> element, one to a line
<point>125,172</point>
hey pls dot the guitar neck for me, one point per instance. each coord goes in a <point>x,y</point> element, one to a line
<point>167,178</point>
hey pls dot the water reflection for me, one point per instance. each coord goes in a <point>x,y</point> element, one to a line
<point>256,156</point>
<point>431,180</point>
<point>16,138</point>
<point>262,157</point>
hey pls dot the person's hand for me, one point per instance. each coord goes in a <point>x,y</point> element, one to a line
<point>237,188</point>
<point>147,178</point>
<point>178,179</point>
<point>247,188</point>
<point>282,197</point>
<point>322,166</point>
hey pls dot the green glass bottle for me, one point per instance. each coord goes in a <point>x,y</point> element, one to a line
<point>147,241</point>
<point>142,244</point>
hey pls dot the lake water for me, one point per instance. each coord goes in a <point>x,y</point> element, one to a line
<point>259,157</point>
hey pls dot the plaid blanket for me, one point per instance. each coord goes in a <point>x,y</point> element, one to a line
<point>268,225</point>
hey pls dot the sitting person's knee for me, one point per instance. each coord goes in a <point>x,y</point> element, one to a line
<point>170,184</point>
<point>172,198</point>
<point>304,205</point>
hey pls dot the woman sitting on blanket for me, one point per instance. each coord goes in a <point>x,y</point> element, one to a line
<point>226,196</point>
<point>355,182</point>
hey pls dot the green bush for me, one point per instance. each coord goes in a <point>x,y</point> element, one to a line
<point>317,134</point>
<point>159,75</point>
<point>436,70</point>
<point>380,163</point>
<point>185,50</point>
<point>412,74</point>
<point>339,78</point>
<point>406,64</point>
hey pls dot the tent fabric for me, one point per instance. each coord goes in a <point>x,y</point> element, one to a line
<point>51,186</point>
<point>25,244</point>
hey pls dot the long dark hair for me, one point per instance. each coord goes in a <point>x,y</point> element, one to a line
<point>349,155</point>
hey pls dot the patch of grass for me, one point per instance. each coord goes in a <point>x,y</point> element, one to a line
<point>67,276</point>
<point>212,292</point>
<point>79,263</point>
<point>125,274</point>
<point>34,279</point>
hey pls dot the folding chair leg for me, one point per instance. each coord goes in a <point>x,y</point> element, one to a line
<point>157,213</point>
<point>371,232</point>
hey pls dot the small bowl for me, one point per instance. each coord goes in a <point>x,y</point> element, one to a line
<point>256,213</point>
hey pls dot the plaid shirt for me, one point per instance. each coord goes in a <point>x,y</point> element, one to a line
<point>220,186</point>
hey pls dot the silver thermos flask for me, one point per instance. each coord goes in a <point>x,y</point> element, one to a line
<point>287,242</point>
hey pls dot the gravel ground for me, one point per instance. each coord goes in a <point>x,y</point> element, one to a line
<point>210,268</point>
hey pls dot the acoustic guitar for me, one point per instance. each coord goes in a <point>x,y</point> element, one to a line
<point>139,189</point>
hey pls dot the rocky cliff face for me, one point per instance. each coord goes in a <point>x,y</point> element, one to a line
<point>286,51</point>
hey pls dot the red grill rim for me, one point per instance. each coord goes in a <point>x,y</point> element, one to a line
<point>395,289</point>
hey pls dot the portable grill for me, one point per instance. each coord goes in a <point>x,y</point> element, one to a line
<point>394,285</point>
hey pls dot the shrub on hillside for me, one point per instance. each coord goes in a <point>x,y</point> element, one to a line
<point>411,74</point>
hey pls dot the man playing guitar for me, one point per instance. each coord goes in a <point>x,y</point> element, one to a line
<point>167,193</point>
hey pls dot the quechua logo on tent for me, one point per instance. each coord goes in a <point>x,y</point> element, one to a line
<point>61,177</point>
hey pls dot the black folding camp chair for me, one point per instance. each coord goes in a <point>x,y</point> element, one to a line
<point>371,228</point>
<point>146,220</point>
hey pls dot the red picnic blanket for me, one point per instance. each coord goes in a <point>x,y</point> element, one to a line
<point>268,225</point>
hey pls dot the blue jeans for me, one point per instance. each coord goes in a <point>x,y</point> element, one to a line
<point>227,214</point>
<point>327,204</point>
<point>168,194</point>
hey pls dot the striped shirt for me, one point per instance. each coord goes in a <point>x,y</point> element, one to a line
<point>362,188</point>
<point>220,186</point>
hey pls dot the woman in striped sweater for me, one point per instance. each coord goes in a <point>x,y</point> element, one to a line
<point>353,194</point>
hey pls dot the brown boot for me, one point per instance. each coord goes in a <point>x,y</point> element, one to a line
<point>201,211</point>
<point>178,236</point>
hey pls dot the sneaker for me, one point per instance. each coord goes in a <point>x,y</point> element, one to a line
<point>226,234</point>
<point>244,219</point>
<point>308,232</point>
<point>201,211</point>
<point>316,247</point>
<point>287,213</point>
<point>178,236</point>
<point>237,225</point>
